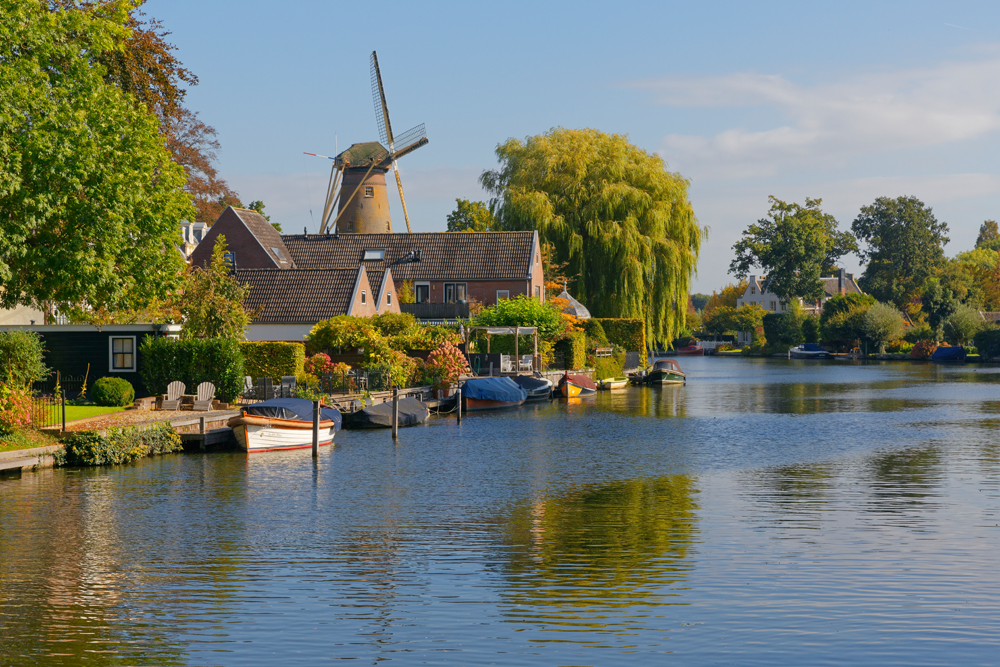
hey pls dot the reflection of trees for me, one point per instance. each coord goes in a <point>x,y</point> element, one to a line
<point>612,547</point>
<point>795,493</point>
<point>904,480</point>
<point>652,401</point>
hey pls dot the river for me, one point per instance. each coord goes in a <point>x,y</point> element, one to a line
<point>769,511</point>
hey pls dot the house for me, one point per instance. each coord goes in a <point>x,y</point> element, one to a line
<point>286,304</point>
<point>191,235</point>
<point>757,292</point>
<point>254,241</point>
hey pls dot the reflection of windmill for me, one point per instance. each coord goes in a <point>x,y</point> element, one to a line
<point>357,178</point>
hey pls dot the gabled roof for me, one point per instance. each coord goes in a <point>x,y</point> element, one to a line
<point>297,296</point>
<point>832,287</point>
<point>443,256</point>
<point>268,236</point>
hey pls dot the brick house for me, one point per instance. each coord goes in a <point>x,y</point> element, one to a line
<point>254,241</point>
<point>288,303</point>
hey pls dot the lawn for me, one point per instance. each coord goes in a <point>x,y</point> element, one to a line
<point>25,438</point>
<point>74,412</point>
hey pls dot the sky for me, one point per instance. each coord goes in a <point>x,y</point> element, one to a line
<point>843,101</point>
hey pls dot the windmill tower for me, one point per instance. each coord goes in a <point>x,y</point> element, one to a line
<point>357,186</point>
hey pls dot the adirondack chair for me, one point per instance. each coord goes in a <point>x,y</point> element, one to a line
<point>526,362</point>
<point>505,364</point>
<point>206,394</point>
<point>172,399</point>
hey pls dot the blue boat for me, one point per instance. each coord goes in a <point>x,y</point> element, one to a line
<point>949,354</point>
<point>808,351</point>
<point>492,394</point>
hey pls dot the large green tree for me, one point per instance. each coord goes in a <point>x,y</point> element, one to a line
<point>470,216</point>
<point>90,200</point>
<point>612,212</point>
<point>793,245</point>
<point>904,246</point>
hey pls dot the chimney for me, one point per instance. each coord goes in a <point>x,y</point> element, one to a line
<point>840,281</point>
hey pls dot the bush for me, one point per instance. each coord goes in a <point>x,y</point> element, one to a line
<point>919,333</point>
<point>988,342</point>
<point>15,407</point>
<point>882,323</point>
<point>898,347</point>
<point>595,334</point>
<point>963,325</point>
<point>394,324</point>
<point>626,333</point>
<point>573,349</point>
<point>122,445</point>
<point>193,361</point>
<point>610,367</point>
<point>113,392</point>
<point>318,364</point>
<point>447,364</point>
<point>844,328</point>
<point>782,330</point>
<point>272,359</point>
<point>923,349</point>
<point>21,355</point>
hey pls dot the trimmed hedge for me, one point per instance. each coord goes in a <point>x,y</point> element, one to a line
<point>120,445</point>
<point>573,349</point>
<point>114,392</point>
<point>273,359</point>
<point>627,333</point>
<point>193,361</point>
<point>988,342</point>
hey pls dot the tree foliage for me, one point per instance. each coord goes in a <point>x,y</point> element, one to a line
<point>963,325</point>
<point>882,323</point>
<point>792,245</point>
<point>524,311</point>
<point>212,303</point>
<point>90,200</point>
<point>905,244</point>
<point>470,216</point>
<point>989,236</point>
<point>939,303</point>
<point>619,220</point>
<point>729,295</point>
<point>21,358</point>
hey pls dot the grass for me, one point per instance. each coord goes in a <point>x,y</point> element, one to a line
<point>74,412</point>
<point>26,438</point>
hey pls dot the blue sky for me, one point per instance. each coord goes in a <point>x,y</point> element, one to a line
<point>842,101</point>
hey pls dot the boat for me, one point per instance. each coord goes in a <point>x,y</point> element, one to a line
<point>479,394</point>
<point>282,423</point>
<point>949,354</point>
<point>613,383</point>
<point>665,371</point>
<point>691,351</point>
<point>411,413</point>
<point>808,351</point>
<point>571,386</point>
<point>539,389</point>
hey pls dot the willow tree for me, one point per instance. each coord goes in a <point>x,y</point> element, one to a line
<point>612,212</point>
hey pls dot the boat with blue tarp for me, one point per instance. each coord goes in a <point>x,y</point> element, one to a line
<point>956,353</point>
<point>492,394</point>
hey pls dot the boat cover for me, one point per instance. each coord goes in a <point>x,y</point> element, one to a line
<point>580,381</point>
<point>494,389</point>
<point>411,413</point>
<point>811,347</point>
<point>949,354</point>
<point>532,383</point>
<point>298,409</point>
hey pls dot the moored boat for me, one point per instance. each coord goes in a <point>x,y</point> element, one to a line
<point>480,394</point>
<point>282,423</point>
<point>411,413</point>
<point>665,371</point>
<point>808,351</point>
<point>539,389</point>
<point>949,354</point>
<point>572,386</point>
<point>691,351</point>
<point>613,383</point>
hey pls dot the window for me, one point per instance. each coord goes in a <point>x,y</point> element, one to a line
<point>753,289</point>
<point>277,253</point>
<point>503,294</point>
<point>422,292</point>
<point>538,292</point>
<point>784,306</point>
<point>197,235</point>
<point>454,292</point>
<point>122,353</point>
<point>774,306</point>
<point>364,297</point>
<point>374,254</point>
<point>388,299</point>
<point>369,191</point>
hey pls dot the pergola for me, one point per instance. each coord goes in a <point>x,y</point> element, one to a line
<point>506,331</point>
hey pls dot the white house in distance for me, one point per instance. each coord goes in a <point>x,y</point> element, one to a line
<point>757,292</point>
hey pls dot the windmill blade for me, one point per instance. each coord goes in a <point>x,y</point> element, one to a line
<point>402,199</point>
<point>410,141</point>
<point>381,108</point>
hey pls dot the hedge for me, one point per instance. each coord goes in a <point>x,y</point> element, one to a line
<point>273,360</point>
<point>627,333</point>
<point>120,445</point>
<point>113,392</point>
<point>988,343</point>
<point>573,349</point>
<point>193,361</point>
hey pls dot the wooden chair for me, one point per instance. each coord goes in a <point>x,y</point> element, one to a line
<point>206,394</point>
<point>172,399</point>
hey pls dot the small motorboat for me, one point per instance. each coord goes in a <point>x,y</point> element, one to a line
<point>539,389</point>
<point>411,413</point>
<point>480,394</point>
<point>665,371</point>
<point>949,354</point>
<point>613,383</point>
<point>808,351</point>
<point>691,351</point>
<point>282,423</point>
<point>572,386</point>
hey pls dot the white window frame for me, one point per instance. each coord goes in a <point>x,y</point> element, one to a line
<point>373,255</point>
<point>111,355</point>
<point>388,298</point>
<point>422,284</point>
<point>506,294</point>
<point>364,297</point>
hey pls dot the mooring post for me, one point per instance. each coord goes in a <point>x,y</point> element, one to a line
<point>458,404</point>
<point>315,429</point>
<point>201,430</point>
<point>395,413</point>
<point>62,395</point>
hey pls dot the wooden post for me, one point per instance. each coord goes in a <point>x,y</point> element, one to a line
<point>536,364</point>
<point>315,429</point>
<point>62,393</point>
<point>488,339</point>
<point>517,351</point>
<point>395,413</point>
<point>458,404</point>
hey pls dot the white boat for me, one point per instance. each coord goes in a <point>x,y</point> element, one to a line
<point>808,351</point>
<point>282,423</point>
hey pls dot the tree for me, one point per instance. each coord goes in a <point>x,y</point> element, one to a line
<point>699,301</point>
<point>882,324</point>
<point>989,236</point>
<point>843,319</point>
<point>729,295</point>
<point>258,206</point>
<point>793,245</point>
<point>939,303</point>
<point>212,303</point>
<point>905,244</point>
<point>90,200</point>
<point>963,325</point>
<point>470,216</point>
<point>612,212</point>
<point>524,311</point>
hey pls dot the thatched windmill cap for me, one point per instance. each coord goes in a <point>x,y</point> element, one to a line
<point>573,307</point>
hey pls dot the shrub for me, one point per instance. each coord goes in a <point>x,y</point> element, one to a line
<point>342,332</point>
<point>193,361</point>
<point>844,328</point>
<point>923,349</point>
<point>272,359</point>
<point>21,361</point>
<point>318,364</point>
<point>882,323</point>
<point>394,324</point>
<point>810,329</point>
<point>447,363</point>
<point>963,325</point>
<point>988,342</point>
<point>573,349</point>
<point>396,368</point>
<point>15,407</point>
<point>919,333</point>
<point>524,311</point>
<point>610,367</point>
<point>898,347</point>
<point>626,333</point>
<point>123,445</point>
<point>113,392</point>
<point>783,330</point>
<point>595,334</point>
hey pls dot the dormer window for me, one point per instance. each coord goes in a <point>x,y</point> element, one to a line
<point>374,255</point>
<point>277,253</point>
<point>369,191</point>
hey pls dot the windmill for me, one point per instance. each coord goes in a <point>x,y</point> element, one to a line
<point>357,178</point>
